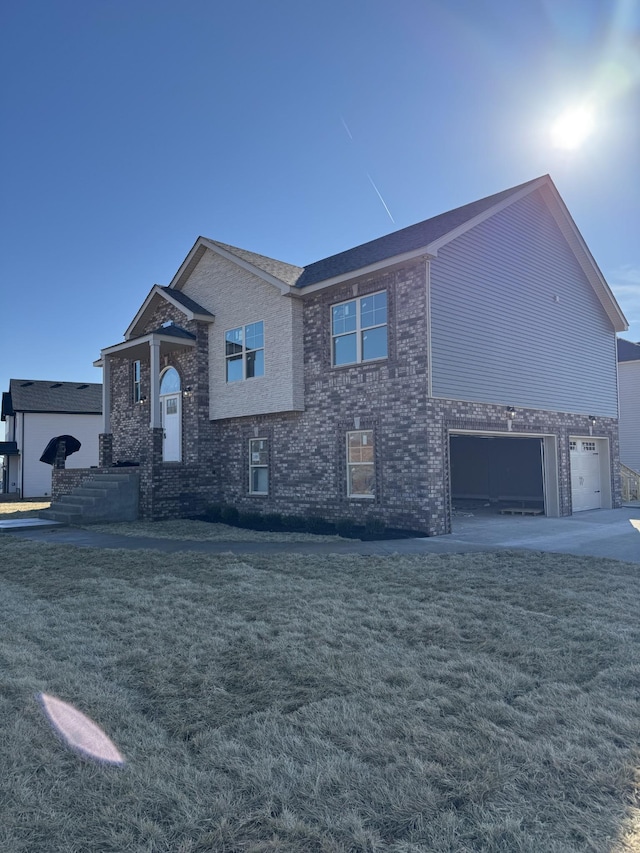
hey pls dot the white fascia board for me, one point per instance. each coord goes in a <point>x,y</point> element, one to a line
<point>486,214</point>
<point>189,314</point>
<point>379,266</point>
<point>152,337</point>
<point>584,257</point>
<point>270,279</point>
<point>157,290</point>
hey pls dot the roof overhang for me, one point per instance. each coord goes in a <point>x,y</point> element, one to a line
<point>158,292</point>
<point>138,348</point>
<point>386,265</point>
<point>203,245</point>
<point>560,213</point>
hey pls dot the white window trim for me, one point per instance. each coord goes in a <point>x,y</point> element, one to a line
<point>358,330</point>
<point>245,351</point>
<point>252,466</point>
<point>136,383</point>
<point>371,464</point>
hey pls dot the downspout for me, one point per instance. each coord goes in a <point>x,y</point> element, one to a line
<point>427,278</point>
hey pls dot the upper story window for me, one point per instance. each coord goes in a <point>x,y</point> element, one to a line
<point>135,381</point>
<point>359,329</point>
<point>244,352</point>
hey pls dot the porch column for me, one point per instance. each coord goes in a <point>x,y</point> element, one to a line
<point>156,419</point>
<point>106,395</point>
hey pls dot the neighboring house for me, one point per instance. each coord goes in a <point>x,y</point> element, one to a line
<point>629,385</point>
<point>36,411</point>
<point>468,357</point>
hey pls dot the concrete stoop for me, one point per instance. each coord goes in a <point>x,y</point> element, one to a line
<point>111,496</point>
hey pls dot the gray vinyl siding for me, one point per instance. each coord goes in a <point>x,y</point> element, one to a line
<point>629,378</point>
<point>515,321</point>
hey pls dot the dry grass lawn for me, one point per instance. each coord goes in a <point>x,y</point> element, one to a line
<point>486,702</point>
<point>202,531</point>
<point>21,509</point>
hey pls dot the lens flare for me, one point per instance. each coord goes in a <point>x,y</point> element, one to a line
<point>572,128</point>
<point>79,731</point>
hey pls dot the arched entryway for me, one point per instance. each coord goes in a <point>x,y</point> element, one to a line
<point>171,412</point>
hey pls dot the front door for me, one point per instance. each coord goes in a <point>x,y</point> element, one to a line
<point>171,421</point>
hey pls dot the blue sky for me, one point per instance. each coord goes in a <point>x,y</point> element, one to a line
<point>292,129</point>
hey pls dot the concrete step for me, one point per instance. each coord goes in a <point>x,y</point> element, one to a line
<point>79,500</point>
<point>89,492</point>
<point>60,516</point>
<point>103,497</point>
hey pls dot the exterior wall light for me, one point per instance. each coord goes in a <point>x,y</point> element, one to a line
<point>142,400</point>
<point>188,391</point>
<point>511,413</point>
<point>592,420</point>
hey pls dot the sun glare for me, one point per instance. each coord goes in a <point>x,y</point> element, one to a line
<point>572,128</point>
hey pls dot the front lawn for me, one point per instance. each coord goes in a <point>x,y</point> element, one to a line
<point>339,704</point>
<point>22,509</point>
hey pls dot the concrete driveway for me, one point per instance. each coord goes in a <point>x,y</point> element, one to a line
<point>613,533</point>
<point>599,533</point>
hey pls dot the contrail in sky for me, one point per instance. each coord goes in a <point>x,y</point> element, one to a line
<point>381,199</point>
<point>346,127</point>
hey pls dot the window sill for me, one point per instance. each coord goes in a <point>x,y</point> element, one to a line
<point>360,363</point>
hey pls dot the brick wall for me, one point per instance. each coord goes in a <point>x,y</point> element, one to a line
<point>307,461</point>
<point>64,480</point>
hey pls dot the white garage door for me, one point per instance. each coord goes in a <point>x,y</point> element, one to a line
<point>585,474</point>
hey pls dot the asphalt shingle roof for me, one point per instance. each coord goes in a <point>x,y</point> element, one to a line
<point>627,350</point>
<point>36,395</point>
<point>287,273</point>
<point>397,243</point>
<point>186,301</point>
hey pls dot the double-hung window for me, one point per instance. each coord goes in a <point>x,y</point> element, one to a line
<point>244,352</point>
<point>259,466</point>
<point>359,329</point>
<point>361,474</point>
<point>135,381</point>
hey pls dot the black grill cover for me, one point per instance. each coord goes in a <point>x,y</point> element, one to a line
<point>71,446</point>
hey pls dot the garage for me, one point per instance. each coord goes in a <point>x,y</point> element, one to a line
<point>497,473</point>
<point>587,457</point>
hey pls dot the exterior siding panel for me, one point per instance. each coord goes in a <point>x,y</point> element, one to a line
<point>514,320</point>
<point>39,429</point>
<point>629,379</point>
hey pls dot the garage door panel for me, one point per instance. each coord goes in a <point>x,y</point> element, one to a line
<point>497,468</point>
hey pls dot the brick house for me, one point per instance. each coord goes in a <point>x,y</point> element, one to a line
<point>470,357</point>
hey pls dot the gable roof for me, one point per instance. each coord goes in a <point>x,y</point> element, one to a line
<point>189,307</point>
<point>627,350</point>
<point>35,395</point>
<point>413,238</point>
<point>423,239</point>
